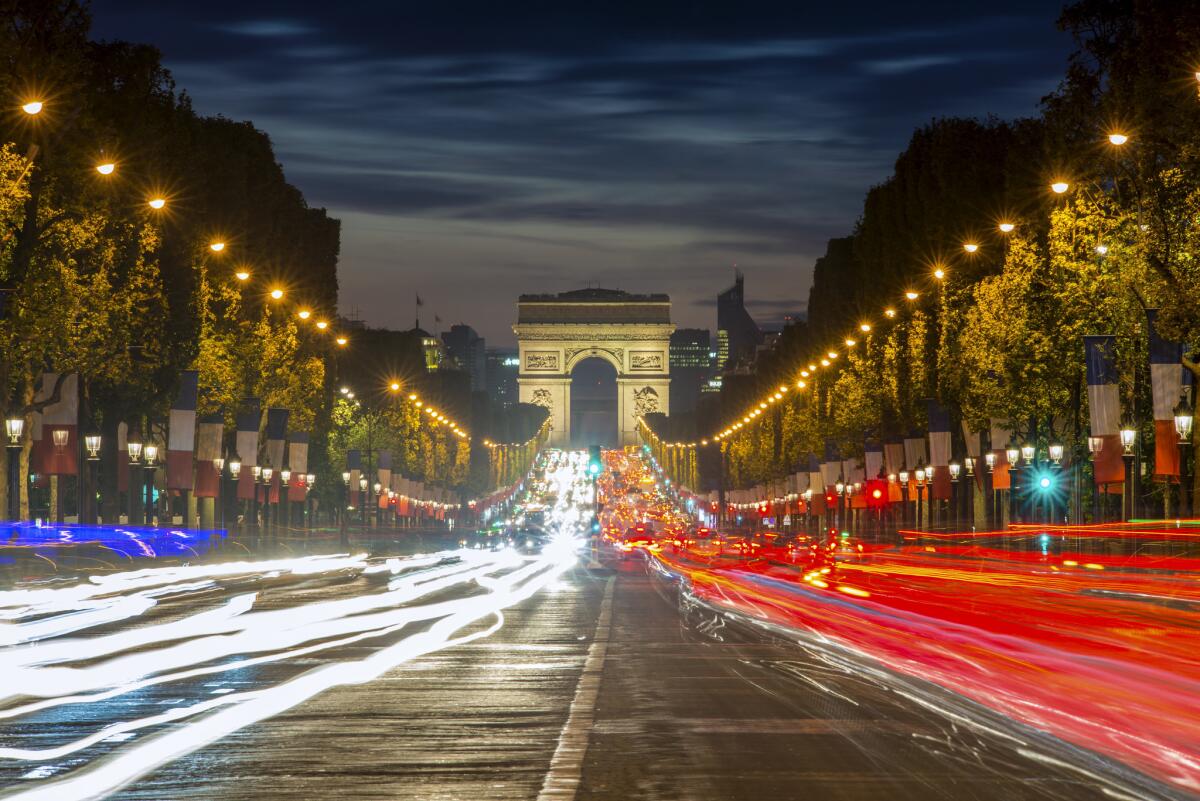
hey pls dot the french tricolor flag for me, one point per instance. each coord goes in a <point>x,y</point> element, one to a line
<point>831,468</point>
<point>354,466</point>
<point>276,440</point>
<point>248,420</point>
<point>1104,406</point>
<point>873,459</point>
<point>939,448</point>
<point>384,476</point>
<point>60,427</point>
<point>297,462</point>
<point>210,430</point>
<point>1166,383</point>
<point>181,432</point>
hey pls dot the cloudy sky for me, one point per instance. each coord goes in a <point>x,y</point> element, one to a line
<point>478,150</point>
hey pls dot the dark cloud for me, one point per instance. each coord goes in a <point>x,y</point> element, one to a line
<point>477,150</point>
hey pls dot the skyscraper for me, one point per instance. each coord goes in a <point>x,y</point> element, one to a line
<point>467,350</point>
<point>690,366</point>
<point>738,336</point>
<point>502,367</point>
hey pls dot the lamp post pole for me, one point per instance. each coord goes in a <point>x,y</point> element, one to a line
<point>257,469</point>
<point>134,447</point>
<point>955,470</point>
<point>87,506</point>
<point>151,454</point>
<point>285,478</point>
<point>14,427</point>
<point>1128,438</point>
<point>268,519</point>
<point>1185,418</point>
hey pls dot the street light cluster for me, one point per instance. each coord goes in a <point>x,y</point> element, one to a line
<point>911,295</point>
<point>158,202</point>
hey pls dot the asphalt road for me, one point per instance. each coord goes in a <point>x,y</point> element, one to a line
<point>665,699</point>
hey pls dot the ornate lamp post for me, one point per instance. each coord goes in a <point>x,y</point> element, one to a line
<point>920,477</point>
<point>955,471</point>
<point>904,496</point>
<point>1128,438</point>
<point>285,477</point>
<point>309,480</point>
<point>969,491</point>
<point>1012,454</point>
<point>134,448</point>
<point>150,451</point>
<point>362,512</point>
<point>1185,418</point>
<point>378,489</point>
<point>14,427</point>
<point>235,472</point>
<point>268,519</point>
<point>91,444</point>
<point>257,470</point>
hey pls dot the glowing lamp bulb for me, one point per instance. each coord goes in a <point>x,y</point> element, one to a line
<point>304,314</point>
<point>342,341</point>
<point>912,295</point>
<point>939,273</point>
<point>32,107</point>
<point>970,247</point>
<point>322,325</point>
<point>157,203</point>
<point>276,294</point>
<point>242,275</point>
<point>1006,227</point>
<point>1118,139</point>
<point>889,313</point>
<point>1060,187</point>
<point>217,247</point>
<point>106,169</point>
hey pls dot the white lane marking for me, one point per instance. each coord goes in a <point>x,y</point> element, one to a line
<point>566,767</point>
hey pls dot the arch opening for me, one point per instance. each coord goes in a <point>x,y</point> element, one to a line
<point>594,404</point>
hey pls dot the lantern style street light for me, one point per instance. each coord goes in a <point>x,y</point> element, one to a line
<point>14,427</point>
<point>151,453</point>
<point>989,459</point>
<point>1094,445</point>
<point>1028,452</point>
<point>1056,453</point>
<point>955,471</point>
<point>1012,454</point>
<point>91,442</point>
<point>1128,437</point>
<point>33,107</point>
<point>1185,418</point>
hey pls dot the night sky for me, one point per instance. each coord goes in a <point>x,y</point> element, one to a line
<point>475,151</point>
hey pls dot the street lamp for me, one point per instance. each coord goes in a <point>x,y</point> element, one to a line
<point>989,459</point>
<point>1185,418</point>
<point>14,426</point>
<point>107,168</point>
<point>1027,453</point>
<point>1117,139</point>
<point>1056,452</point>
<point>285,478</point>
<point>1128,438</point>
<point>33,107</point>
<point>150,454</point>
<point>1059,187</point>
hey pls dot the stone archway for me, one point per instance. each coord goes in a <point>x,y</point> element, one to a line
<point>630,332</point>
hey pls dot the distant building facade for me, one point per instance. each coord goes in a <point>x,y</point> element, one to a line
<point>691,365</point>
<point>467,350</point>
<point>502,366</point>
<point>738,336</point>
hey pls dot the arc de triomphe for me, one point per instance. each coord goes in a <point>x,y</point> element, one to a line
<point>630,332</point>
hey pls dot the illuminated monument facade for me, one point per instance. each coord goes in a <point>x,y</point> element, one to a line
<point>630,332</point>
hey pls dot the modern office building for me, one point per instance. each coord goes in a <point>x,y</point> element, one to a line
<point>738,336</point>
<point>691,364</point>
<point>466,349</point>
<point>502,365</point>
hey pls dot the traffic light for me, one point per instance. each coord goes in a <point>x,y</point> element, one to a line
<point>595,464</point>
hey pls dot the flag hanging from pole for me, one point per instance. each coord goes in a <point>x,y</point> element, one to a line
<point>1166,384</point>
<point>893,451</point>
<point>873,459</point>
<point>276,439</point>
<point>914,450</point>
<point>246,443</point>
<point>297,462</point>
<point>209,433</point>
<point>1104,407</point>
<point>939,448</point>
<point>383,473</point>
<point>831,468</point>
<point>60,427</point>
<point>181,433</point>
